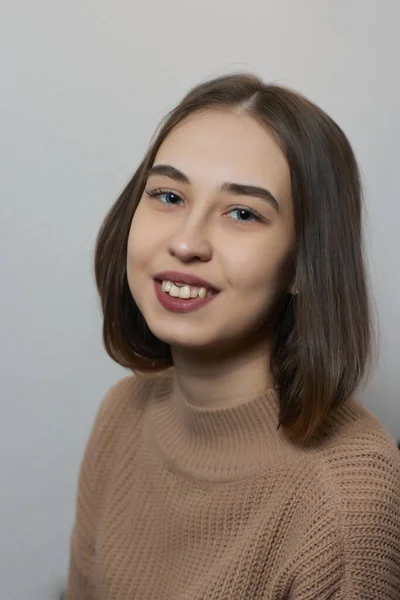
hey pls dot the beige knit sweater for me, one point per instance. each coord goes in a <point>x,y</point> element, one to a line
<point>181,503</point>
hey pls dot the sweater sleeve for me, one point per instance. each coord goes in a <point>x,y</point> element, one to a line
<point>360,557</point>
<point>80,584</point>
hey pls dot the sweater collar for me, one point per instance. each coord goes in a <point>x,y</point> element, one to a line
<point>217,443</point>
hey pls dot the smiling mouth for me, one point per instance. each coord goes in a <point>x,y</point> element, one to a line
<point>185,291</point>
<point>180,297</point>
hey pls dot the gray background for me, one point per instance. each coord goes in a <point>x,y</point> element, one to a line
<point>83,85</point>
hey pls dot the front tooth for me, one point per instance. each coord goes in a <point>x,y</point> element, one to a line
<point>194,292</point>
<point>166,286</point>
<point>184,292</point>
<point>174,291</point>
<point>202,292</point>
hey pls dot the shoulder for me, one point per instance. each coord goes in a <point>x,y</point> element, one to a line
<point>118,421</point>
<point>356,456</point>
<point>363,476</point>
<point>351,527</point>
<point>121,408</point>
<point>363,460</point>
<point>126,394</point>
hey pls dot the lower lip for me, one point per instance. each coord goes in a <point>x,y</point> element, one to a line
<point>177,304</point>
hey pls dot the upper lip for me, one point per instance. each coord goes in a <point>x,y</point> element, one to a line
<point>187,278</point>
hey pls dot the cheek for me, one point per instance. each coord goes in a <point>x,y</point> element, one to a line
<point>136,262</point>
<point>139,247</point>
<point>133,250</point>
<point>260,270</point>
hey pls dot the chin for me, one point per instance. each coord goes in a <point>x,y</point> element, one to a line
<point>183,341</point>
<point>194,338</point>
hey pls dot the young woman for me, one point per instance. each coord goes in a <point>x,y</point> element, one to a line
<point>236,463</point>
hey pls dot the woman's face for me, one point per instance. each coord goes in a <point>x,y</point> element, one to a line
<point>218,207</point>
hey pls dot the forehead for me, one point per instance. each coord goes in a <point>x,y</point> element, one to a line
<point>216,146</point>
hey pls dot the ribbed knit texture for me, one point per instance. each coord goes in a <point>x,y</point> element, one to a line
<point>184,503</point>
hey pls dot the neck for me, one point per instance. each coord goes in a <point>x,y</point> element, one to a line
<point>222,379</point>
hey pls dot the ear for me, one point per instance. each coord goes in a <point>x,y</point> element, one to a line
<point>293,289</point>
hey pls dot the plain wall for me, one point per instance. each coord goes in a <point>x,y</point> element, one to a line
<point>83,86</point>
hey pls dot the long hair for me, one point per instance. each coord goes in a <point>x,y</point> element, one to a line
<point>323,340</point>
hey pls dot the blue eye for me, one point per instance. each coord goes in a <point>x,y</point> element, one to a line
<point>166,197</point>
<point>245,215</point>
<point>169,198</point>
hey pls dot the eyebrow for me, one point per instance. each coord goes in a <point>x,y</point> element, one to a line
<point>239,189</point>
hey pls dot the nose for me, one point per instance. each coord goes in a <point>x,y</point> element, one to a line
<point>190,244</point>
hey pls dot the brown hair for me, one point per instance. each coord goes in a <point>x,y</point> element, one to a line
<point>323,341</point>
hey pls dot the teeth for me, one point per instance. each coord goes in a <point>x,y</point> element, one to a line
<point>185,291</point>
<point>174,291</point>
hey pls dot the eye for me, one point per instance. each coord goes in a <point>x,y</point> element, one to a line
<point>245,215</point>
<point>165,196</point>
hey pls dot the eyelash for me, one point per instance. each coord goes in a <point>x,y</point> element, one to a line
<point>161,192</point>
